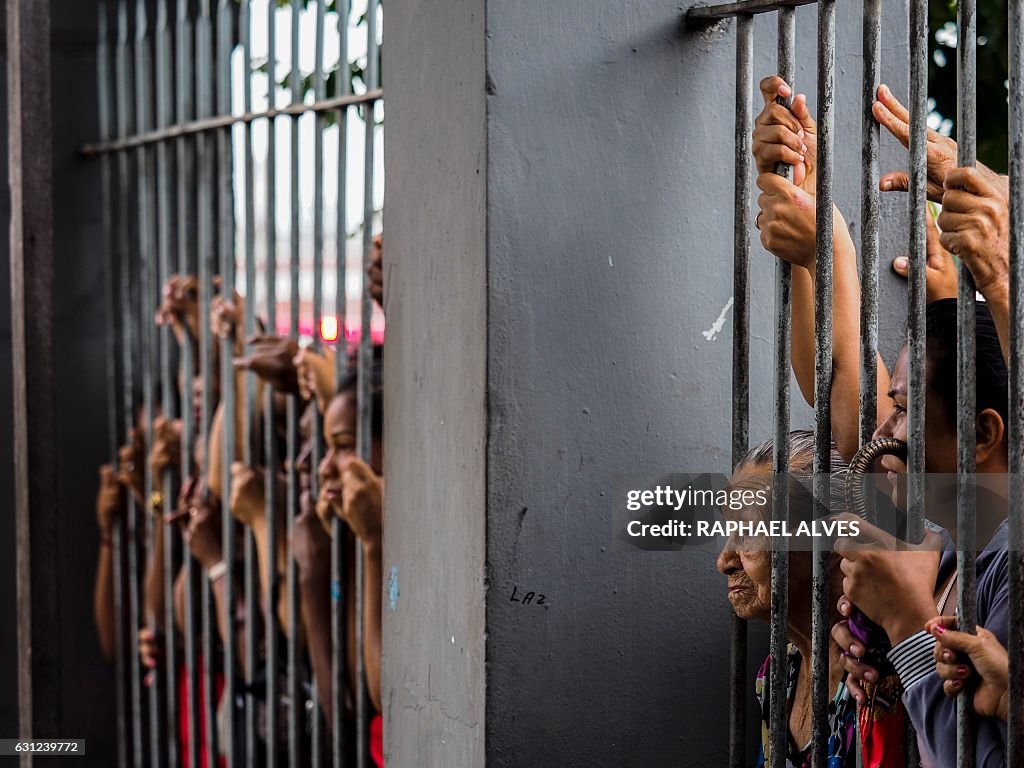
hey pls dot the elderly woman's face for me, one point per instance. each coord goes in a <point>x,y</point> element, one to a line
<point>747,561</point>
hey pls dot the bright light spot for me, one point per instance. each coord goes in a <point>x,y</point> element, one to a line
<point>947,35</point>
<point>329,328</point>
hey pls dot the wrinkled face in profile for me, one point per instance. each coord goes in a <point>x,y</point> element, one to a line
<point>746,562</point>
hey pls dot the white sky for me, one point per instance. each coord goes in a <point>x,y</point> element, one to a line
<point>354,175</point>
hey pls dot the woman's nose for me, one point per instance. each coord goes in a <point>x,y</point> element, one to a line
<point>727,561</point>
<point>327,468</point>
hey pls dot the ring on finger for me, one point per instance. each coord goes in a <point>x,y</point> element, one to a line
<point>757,220</point>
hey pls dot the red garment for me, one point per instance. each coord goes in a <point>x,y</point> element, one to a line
<point>377,740</point>
<point>183,733</point>
<point>883,723</point>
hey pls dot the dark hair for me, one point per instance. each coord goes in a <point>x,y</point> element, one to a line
<point>991,373</point>
<point>349,383</point>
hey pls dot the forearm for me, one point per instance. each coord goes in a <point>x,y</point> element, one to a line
<point>997,298</point>
<point>373,585</point>
<point>315,607</point>
<point>802,345</point>
<point>846,362</point>
<point>222,607</point>
<point>154,584</point>
<point>103,600</point>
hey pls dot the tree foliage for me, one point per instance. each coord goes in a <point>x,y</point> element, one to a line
<point>992,74</point>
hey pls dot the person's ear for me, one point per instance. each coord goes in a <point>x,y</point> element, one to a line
<point>990,433</point>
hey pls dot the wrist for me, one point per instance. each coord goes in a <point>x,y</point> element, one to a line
<point>373,545</point>
<point>906,623</point>
<point>1003,707</point>
<point>995,289</point>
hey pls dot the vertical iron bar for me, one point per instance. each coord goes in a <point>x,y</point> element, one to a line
<point>121,653</point>
<point>779,731</point>
<point>339,637</point>
<point>164,241</point>
<point>364,435</point>
<point>966,385</point>
<point>869,210</point>
<point>822,382</point>
<point>741,359</point>
<point>206,247</point>
<point>226,232</point>
<point>295,696</point>
<point>187,226</point>
<point>148,337</point>
<point>1015,719</point>
<point>916,202</point>
<point>270,448</point>
<point>251,579</point>
<point>128,368</point>
<point>316,423</point>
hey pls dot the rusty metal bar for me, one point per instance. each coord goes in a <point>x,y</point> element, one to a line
<point>206,247</point>
<point>316,423</point>
<point>103,84</point>
<point>701,15</point>
<point>1015,719</point>
<point>738,682</point>
<point>296,697</point>
<point>226,247</point>
<point>820,603</point>
<point>186,230</point>
<point>165,229</point>
<point>779,731</point>
<point>339,637</point>
<point>122,76</point>
<point>272,643</point>
<point>209,124</point>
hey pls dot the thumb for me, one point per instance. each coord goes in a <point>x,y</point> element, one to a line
<point>959,641</point>
<point>901,266</point>
<point>803,114</point>
<point>894,181</point>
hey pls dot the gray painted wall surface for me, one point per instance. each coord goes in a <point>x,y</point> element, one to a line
<point>434,377</point>
<point>609,184</point>
<point>610,197</point>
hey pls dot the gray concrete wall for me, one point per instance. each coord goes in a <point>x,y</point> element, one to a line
<point>435,385</point>
<point>609,184</point>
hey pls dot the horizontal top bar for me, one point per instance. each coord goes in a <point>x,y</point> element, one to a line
<point>708,13</point>
<point>226,121</point>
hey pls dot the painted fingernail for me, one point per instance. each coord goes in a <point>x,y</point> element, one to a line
<point>962,671</point>
<point>939,629</point>
<point>956,684</point>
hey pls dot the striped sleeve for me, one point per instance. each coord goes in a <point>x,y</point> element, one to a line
<point>913,658</point>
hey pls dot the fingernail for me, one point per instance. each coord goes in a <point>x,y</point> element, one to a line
<point>785,90</point>
<point>956,684</point>
<point>900,263</point>
<point>803,147</point>
<point>883,88</point>
<point>886,186</point>
<point>856,650</point>
<point>870,676</point>
<point>947,657</point>
<point>800,133</point>
<point>843,605</point>
<point>962,670</point>
<point>939,629</point>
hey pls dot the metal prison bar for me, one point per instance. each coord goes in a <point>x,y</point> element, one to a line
<point>966,119</point>
<point>175,211</point>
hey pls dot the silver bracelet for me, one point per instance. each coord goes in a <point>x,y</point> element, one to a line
<point>217,571</point>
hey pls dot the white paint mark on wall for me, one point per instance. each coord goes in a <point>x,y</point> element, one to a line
<point>716,327</point>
